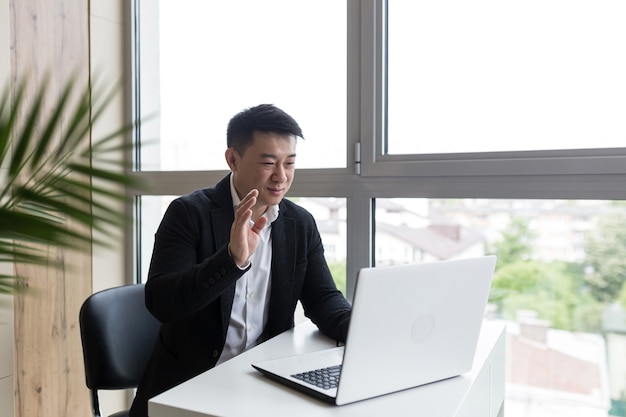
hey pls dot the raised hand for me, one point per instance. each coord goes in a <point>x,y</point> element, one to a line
<point>244,238</point>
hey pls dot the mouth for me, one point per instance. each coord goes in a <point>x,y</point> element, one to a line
<point>275,191</point>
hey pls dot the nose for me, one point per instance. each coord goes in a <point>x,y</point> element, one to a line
<point>280,174</point>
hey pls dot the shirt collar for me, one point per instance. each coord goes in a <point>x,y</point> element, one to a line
<point>271,213</point>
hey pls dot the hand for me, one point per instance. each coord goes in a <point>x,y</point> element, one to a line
<point>244,239</point>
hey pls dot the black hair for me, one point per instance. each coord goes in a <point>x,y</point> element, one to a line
<point>265,118</point>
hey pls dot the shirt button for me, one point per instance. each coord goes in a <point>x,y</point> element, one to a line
<point>216,353</point>
<point>205,284</point>
<point>218,276</point>
<point>223,271</point>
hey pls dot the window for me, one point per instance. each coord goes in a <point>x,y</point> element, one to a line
<point>491,89</point>
<point>493,125</point>
<point>559,286</point>
<point>484,76</point>
<point>237,54</point>
<point>330,216</point>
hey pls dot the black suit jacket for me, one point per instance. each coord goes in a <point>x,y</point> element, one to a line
<point>191,285</point>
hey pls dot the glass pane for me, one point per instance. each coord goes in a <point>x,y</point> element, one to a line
<point>201,62</point>
<point>559,286</point>
<point>488,75</point>
<point>329,213</point>
<point>330,216</point>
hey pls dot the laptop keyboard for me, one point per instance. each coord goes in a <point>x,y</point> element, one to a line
<point>325,378</point>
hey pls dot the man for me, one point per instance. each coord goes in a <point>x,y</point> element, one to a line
<point>231,262</point>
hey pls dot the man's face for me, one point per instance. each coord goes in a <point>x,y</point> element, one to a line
<point>267,165</point>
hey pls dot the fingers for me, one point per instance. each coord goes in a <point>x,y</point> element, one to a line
<point>259,224</point>
<point>250,199</point>
<point>241,246</point>
<point>244,209</point>
<point>246,204</point>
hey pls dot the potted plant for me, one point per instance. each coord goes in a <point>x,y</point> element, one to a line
<point>52,174</point>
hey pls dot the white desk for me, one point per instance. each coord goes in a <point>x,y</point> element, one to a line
<point>235,389</point>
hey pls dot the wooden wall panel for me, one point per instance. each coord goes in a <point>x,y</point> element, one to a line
<point>51,37</point>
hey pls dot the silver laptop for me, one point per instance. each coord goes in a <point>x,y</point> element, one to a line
<point>410,325</point>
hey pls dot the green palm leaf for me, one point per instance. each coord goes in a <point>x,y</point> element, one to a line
<point>53,175</point>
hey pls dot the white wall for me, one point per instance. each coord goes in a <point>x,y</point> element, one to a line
<point>107,53</point>
<point>6,302</point>
<point>6,350</point>
<point>107,60</point>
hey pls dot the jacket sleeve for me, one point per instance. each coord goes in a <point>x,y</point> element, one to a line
<point>184,278</point>
<point>323,303</point>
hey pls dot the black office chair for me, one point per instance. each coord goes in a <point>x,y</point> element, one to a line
<point>118,334</point>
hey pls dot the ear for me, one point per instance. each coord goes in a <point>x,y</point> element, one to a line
<point>231,159</point>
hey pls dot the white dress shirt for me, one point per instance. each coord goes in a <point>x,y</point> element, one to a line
<point>252,292</point>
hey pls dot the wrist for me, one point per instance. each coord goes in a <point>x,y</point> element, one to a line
<point>241,265</point>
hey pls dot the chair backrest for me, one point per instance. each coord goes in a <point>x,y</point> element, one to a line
<point>118,334</point>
